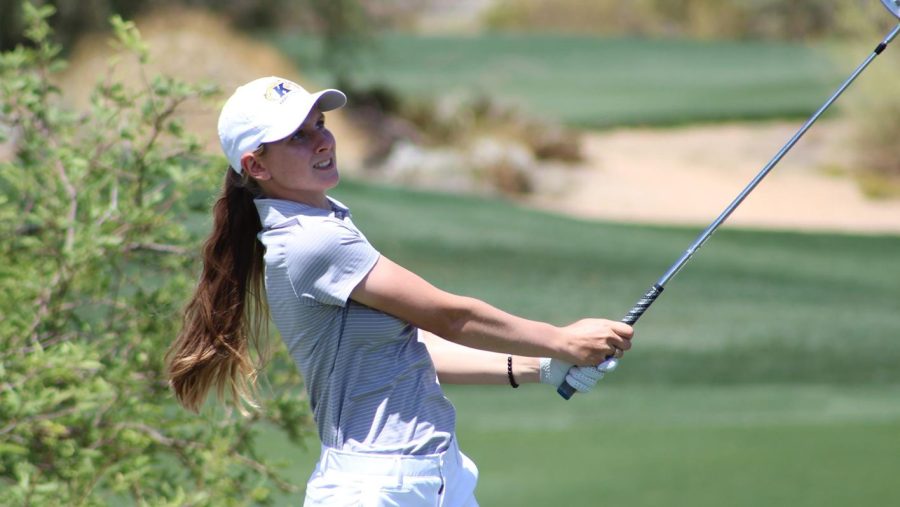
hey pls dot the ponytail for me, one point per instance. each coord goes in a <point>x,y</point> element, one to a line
<point>227,315</point>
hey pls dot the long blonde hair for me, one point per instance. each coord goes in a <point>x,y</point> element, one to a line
<point>226,319</point>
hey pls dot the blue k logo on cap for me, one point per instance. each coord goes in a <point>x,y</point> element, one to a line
<point>279,90</point>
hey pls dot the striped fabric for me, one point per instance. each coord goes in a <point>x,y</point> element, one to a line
<point>372,385</point>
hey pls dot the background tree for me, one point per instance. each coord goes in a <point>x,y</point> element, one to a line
<point>98,258</point>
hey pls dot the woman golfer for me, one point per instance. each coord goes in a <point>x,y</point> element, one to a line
<point>358,325</point>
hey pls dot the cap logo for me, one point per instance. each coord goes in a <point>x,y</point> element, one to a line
<point>279,90</point>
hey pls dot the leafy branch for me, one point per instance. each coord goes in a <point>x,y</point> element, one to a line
<point>98,263</point>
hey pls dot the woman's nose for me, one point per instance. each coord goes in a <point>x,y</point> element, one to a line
<point>326,141</point>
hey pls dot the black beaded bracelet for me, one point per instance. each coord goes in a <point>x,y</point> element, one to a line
<point>512,380</point>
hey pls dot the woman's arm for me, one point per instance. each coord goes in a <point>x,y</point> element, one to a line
<point>473,323</point>
<point>456,364</point>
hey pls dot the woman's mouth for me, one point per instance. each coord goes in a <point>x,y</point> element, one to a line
<point>325,164</point>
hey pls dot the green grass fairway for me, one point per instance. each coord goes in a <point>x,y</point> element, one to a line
<point>598,82</point>
<point>766,374</point>
<point>697,446</point>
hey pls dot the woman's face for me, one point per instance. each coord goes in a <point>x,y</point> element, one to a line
<point>300,167</point>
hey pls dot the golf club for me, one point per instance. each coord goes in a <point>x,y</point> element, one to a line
<point>565,390</point>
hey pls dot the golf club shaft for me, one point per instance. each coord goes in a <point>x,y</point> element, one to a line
<point>565,390</point>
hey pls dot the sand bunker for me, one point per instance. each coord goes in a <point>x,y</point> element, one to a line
<point>689,175</point>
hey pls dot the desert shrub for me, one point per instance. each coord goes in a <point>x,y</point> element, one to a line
<point>682,18</point>
<point>873,105</point>
<point>455,120</point>
<point>467,143</point>
<point>98,259</point>
<point>875,114</point>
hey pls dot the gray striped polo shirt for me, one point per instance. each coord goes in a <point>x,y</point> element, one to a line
<point>372,385</point>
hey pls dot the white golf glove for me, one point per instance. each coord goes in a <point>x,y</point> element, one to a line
<point>582,378</point>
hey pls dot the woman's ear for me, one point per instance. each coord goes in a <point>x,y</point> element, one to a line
<point>253,167</point>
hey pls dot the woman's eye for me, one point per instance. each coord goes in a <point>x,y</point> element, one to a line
<point>297,136</point>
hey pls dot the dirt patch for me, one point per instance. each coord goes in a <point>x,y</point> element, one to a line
<point>689,175</point>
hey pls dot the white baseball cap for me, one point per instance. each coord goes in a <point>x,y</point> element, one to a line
<point>266,110</point>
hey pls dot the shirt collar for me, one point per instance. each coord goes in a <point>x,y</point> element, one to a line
<point>274,213</point>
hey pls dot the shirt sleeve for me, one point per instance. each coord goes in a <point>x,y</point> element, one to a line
<point>326,262</point>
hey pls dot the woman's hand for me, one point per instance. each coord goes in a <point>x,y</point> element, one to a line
<point>583,379</point>
<point>590,342</point>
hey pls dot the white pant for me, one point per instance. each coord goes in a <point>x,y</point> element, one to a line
<point>372,480</point>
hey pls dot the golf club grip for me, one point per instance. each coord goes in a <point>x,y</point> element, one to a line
<point>641,306</point>
<point>567,391</point>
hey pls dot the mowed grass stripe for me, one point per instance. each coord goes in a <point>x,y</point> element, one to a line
<point>772,445</point>
<point>684,446</point>
<point>595,81</point>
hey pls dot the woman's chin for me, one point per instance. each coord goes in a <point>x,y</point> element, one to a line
<point>332,178</point>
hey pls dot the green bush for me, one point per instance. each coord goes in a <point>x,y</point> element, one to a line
<point>97,261</point>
